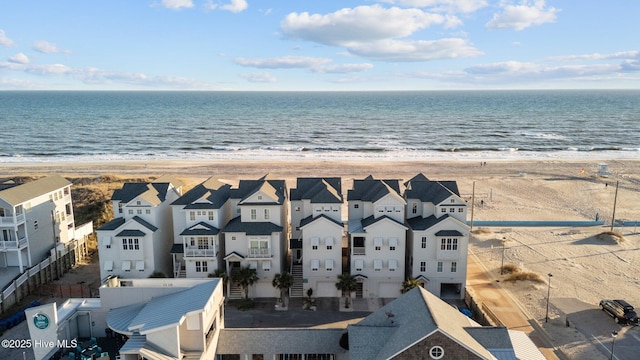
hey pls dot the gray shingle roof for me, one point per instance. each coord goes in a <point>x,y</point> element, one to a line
<point>420,223</point>
<point>124,233</point>
<point>449,233</point>
<point>16,195</point>
<point>200,228</point>
<point>370,220</point>
<point>309,219</point>
<point>177,249</point>
<point>153,192</point>
<point>431,191</point>
<point>372,190</point>
<point>248,187</point>
<point>318,190</point>
<point>251,228</point>
<point>214,191</point>
<point>406,320</point>
<point>112,225</point>
<point>280,340</point>
<point>144,223</point>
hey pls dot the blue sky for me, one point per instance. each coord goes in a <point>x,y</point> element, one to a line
<point>319,45</point>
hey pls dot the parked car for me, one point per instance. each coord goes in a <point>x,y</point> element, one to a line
<point>621,311</point>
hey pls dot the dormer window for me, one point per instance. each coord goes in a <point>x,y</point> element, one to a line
<point>259,197</point>
<point>138,202</point>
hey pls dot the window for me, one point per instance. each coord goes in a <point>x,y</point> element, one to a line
<point>130,211</point>
<point>443,210</point>
<point>35,224</point>
<point>148,211</point>
<point>414,208</point>
<point>202,266</point>
<point>359,265</point>
<point>138,202</point>
<point>203,242</point>
<point>318,209</point>
<point>328,264</point>
<point>423,266</point>
<point>436,352</point>
<point>424,242</point>
<point>266,265</point>
<point>393,243</point>
<point>377,243</point>
<point>314,243</point>
<point>254,214</point>
<point>210,213</point>
<point>393,265</point>
<point>259,197</point>
<point>454,266</point>
<point>266,214</point>
<point>451,210</point>
<point>297,208</point>
<point>449,244</point>
<point>439,269</point>
<point>460,209</point>
<point>315,264</point>
<point>130,244</point>
<point>329,242</point>
<point>139,211</point>
<point>356,206</point>
<point>233,238</point>
<point>120,208</point>
<point>377,265</point>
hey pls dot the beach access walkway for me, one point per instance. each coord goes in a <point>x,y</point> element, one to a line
<point>505,309</point>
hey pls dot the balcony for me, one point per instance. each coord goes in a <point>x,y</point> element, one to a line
<point>9,220</point>
<point>6,245</point>
<point>200,252</point>
<point>259,253</point>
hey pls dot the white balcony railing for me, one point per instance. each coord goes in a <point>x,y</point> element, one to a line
<point>13,244</point>
<point>259,253</point>
<point>200,252</point>
<point>9,220</point>
<point>359,251</point>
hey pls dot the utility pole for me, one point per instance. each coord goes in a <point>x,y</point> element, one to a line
<point>615,200</point>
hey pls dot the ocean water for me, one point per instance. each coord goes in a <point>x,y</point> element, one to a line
<point>61,126</point>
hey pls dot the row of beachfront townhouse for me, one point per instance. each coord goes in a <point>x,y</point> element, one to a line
<point>393,231</point>
<point>35,217</point>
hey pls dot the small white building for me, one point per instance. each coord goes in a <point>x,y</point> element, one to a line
<point>257,235</point>
<point>198,217</point>
<point>137,242</point>
<point>377,237</point>
<point>35,217</point>
<point>438,236</point>
<point>161,319</point>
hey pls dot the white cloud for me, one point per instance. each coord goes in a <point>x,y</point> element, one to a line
<point>450,6</point>
<point>519,17</point>
<point>46,47</point>
<point>261,77</point>
<point>234,6</point>
<point>19,58</point>
<point>597,56</point>
<point>342,69</point>
<point>4,40</point>
<point>361,24</point>
<point>177,4</point>
<point>416,50</point>
<point>285,62</point>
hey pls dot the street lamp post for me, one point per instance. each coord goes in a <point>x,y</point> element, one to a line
<point>546,318</point>
<point>613,343</point>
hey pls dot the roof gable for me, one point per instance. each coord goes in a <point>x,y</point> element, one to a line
<point>18,194</point>
<point>274,189</point>
<point>310,219</point>
<point>370,189</point>
<point>318,190</point>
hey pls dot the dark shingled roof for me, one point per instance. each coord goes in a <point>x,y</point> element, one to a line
<point>144,223</point>
<point>420,223</point>
<point>247,188</point>
<point>372,190</point>
<point>372,220</point>
<point>200,228</point>
<point>252,228</point>
<point>215,192</point>
<point>135,232</point>
<point>431,191</point>
<point>130,191</point>
<point>177,249</point>
<point>318,190</point>
<point>448,233</point>
<point>310,219</point>
<point>419,177</point>
<point>112,225</point>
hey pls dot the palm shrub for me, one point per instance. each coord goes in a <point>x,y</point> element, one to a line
<point>282,282</point>
<point>244,277</point>
<point>409,284</point>
<point>346,283</point>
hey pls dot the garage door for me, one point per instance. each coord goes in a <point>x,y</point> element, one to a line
<point>327,289</point>
<point>389,290</point>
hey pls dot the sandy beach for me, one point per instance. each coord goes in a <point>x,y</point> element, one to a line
<point>585,268</point>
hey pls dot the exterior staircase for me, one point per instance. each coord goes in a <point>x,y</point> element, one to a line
<point>297,290</point>
<point>235,292</point>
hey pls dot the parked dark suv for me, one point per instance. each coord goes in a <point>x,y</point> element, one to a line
<point>621,311</point>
